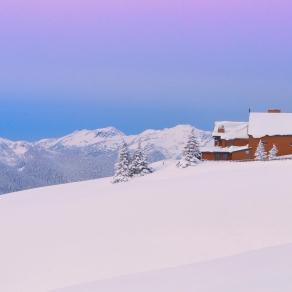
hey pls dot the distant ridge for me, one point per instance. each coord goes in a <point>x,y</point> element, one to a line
<point>83,155</point>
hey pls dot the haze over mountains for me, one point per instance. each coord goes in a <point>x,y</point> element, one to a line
<point>83,155</point>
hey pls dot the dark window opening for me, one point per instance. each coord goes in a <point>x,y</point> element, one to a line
<point>217,156</point>
<point>229,144</point>
<point>265,143</point>
<point>224,156</point>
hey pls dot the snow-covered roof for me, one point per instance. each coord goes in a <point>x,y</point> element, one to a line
<point>233,130</point>
<point>230,149</point>
<point>270,124</point>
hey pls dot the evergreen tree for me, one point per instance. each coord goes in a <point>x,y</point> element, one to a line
<point>139,165</point>
<point>122,172</point>
<point>260,153</point>
<point>273,153</point>
<point>191,152</point>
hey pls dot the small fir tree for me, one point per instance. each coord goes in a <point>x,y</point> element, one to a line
<point>122,172</point>
<point>273,153</point>
<point>260,153</point>
<point>139,165</point>
<point>191,152</point>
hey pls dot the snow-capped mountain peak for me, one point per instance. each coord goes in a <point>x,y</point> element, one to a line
<point>169,141</point>
<point>10,151</point>
<point>84,138</point>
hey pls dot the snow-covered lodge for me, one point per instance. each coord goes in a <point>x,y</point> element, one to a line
<point>239,140</point>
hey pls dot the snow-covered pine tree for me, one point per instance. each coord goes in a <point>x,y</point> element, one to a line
<point>260,153</point>
<point>273,153</point>
<point>191,152</point>
<point>122,172</point>
<point>139,165</point>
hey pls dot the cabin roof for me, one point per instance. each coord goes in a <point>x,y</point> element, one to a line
<point>230,149</point>
<point>270,124</point>
<point>233,130</point>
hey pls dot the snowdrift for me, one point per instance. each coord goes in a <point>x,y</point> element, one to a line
<point>65,235</point>
<point>268,270</point>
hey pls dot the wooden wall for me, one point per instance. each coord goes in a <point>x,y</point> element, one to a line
<point>283,143</point>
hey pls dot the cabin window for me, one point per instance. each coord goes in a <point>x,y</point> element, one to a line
<point>248,157</point>
<point>217,156</point>
<point>229,144</point>
<point>265,143</point>
<point>247,151</point>
<point>217,143</point>
<point>224,156</point>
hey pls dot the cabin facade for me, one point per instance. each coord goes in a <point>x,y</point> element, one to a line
<point>239,140</point>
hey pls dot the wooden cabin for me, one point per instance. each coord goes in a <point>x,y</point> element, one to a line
<point>239,140</point>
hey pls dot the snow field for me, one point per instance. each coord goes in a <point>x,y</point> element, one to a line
<point>66,235</point>
<point>263,270</point>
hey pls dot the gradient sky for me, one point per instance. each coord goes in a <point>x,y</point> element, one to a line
<point>67,65</point>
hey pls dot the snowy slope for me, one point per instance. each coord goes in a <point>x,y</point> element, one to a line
<point>264,270</point>
<point>65,235</point>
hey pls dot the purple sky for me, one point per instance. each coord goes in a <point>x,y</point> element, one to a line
<point>68,65</point>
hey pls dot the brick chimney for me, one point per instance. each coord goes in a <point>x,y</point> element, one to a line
<point>274,111</point>
<point>221,129</point>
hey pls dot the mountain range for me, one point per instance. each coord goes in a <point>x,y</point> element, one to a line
<point>83,155</point>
